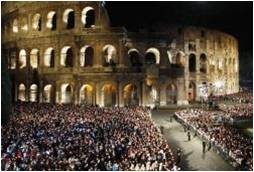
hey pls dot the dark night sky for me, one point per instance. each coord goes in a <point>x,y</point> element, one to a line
<point>231,17</point>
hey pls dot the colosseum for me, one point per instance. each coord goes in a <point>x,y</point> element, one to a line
<point>66,52</point>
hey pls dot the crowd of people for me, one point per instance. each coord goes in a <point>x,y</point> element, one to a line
<point>239,112</point>
<point>240,97</point>
<point>69,137</point>
<point>236,146</point>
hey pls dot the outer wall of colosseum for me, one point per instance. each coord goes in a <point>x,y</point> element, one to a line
<point>67,52</point>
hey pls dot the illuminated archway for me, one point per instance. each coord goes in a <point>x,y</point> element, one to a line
<point>86,56</point>
<point>135,57</point>
<point>49,57</point>
<point>22,59</point>
<point>13,60</point>
<point>192,92</point>
<point>34,54</point>
<point>36,22</point>
<point>109,95</point>
<point>51,20</point>
<point>152,56</point>
<point>88,17</point>
<point>86,94</point>
<point>47,91</point>
<point>180,61</point>
<point>66,93</point>
<point>66,56</point>
<point>109,53</point>
<point>24,25</point>
<point>130,95</point>
<point>69,18</point>
<point>33,93</point>
<point>22,92</point>
<point>171,94</point>
<point>15,27</point>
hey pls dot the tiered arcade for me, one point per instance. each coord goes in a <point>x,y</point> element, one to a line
<point>66,52</point>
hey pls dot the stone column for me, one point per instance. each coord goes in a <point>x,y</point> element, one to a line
<point>122,54</point>
<point>163,94</point>
<point>181,96</point>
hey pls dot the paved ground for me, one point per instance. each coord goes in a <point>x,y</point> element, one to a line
<point>193,157</point>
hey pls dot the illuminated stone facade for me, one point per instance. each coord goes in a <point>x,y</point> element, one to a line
<point>63,52</point>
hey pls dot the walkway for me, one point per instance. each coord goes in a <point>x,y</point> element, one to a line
<point>192,156</point>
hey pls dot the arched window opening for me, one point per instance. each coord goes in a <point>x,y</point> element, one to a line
<point>180,61</point>
<point>36,22</point>
<point>33,93</point>
<point>13,60</point>
<point>88,17</point>
<point>51,20</point>
<point>66,93</point>
<point>192,63</point>
<point>192,92</point>
<point>135,57</point>
<point>47,93</point>
<point>69,18</point>
<point>192,46</point>
<point>22,92</point>
<point>152,56</point>
<point>130,95</point>
<point>203,63</point>
<point>22,59</point>
<point>67,56</point>
<point>49,57</point>
<point>86,56</point>
<point>34,54</point>
<point>109,52</point>
<point>86,94</point>
<point>171,94</point>
<point>109,95</point>
<point>24,25</point>
<point>15,27</point>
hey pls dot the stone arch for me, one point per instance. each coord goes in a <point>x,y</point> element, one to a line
<point>33,93</point>
<point>24,24</point>
<point>88,17</point>
<point>169,57</point>
<point>180,61</point>
<point>13,60</point>
<point>34,55</point>
<point>36,22</point>
<point>86,94</point>
<point>15,27</point>
<point>69,18</point>
<point>109,95</point>
<point>130,95</point>
<point>66,93</point>
<point>22,58</point>
<point>51,20</point>
<point>135,57</point>
<point>152,56</point>
<point>192,63</point>
<point>192,92</point>
<point>47,93</point>
<point>171,94</point>
<point>49,57</point>
<point>66,57</point>
<point>86,56</point>
<point>109,54</point>
<point>203,63</point>
<point>22,92</point>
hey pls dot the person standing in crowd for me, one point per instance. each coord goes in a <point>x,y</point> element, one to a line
<point>203,145</point>
<point>189,135</point>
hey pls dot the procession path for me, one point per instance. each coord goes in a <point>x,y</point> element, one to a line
<point>193,157</point>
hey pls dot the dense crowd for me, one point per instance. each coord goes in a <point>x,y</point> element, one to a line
<point>241,97</point>
<point>68,137</point>
<point>237,112</point>
<point>237,146</point>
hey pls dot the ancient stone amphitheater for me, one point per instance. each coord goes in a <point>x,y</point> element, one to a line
<point>66,52</point>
